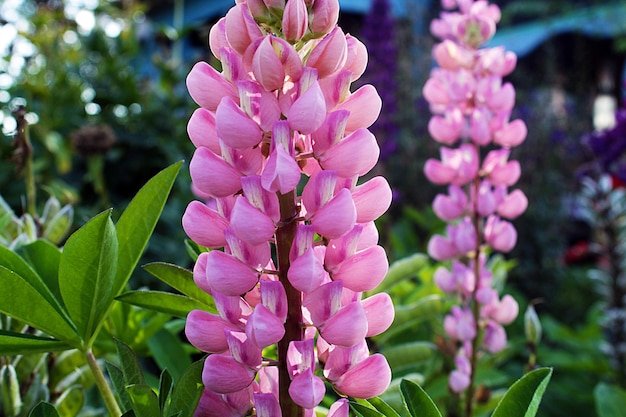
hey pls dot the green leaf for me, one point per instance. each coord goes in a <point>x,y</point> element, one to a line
<point>70,402</point>
<point>86,271</point>
<point>117,380</point>
<point>19,344</point>
<point>383,407</point>
<point>44,409</point>
<point>44,257</point>
<point>402,269</point>
<point>610,400</point>
<point>17,264</point>
<point>180,279</point>
<point>417,401</point>
<point>137,223</point>
<point>187,391</point>
<point>163,302</point>
<point>17,299</point>
<point>165,389</point>
<point>133,375</point>
<point>169,353</point>
<point>523,397</point>
<point>365,411</point>
<point>145,401</point>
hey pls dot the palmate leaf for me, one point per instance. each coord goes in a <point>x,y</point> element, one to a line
<point>86,272</point>
<point>44,258</point>
<point>187,391</point>
<point>523,397</point>
<point>137,223</point>
<point>18,344</point>
<point>144,399</point>
<point>19,299</point>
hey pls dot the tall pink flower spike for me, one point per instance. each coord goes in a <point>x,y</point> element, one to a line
<point>472,107</point>
<point>281,143</point>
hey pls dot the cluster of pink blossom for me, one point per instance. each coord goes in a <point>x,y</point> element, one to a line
<point>472,107</point>
<point>281,143</point>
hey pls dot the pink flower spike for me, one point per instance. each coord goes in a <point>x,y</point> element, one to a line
<point>512,134</point>
<point>364,106</point>
<point>330,54</point>
<point>212,175</point>
<point>324,302</point>
<point>206,331</point>
<point>364,270</point>
<point>273,297</point>
<point>324,16</point>
<point>371,199</point>
<point>336,217</point>
<point>355,155</point>
<point>300,356</point>
<point>295,20</point>
<point>264,328</point>
<point>308,112</point>
<point>513,205</point>
<point>224,375</point>
<point>201,130</point>
<point>346,327</point>
<point>500,234</point>
<point>207,87</point>
<point>495,337</point>
<point>234,126</point>
<point>379,312</point>
<point>266,405</point>
<point>340,408</point>
<point>447,129</point>
<point>204,225</point>
<point>250,224</point>
<point>367,379</point>
<point>241,29</point>
<point>242,349</point>
<point>307,390</point>
<point>228,275</point>
<point>306,272</point>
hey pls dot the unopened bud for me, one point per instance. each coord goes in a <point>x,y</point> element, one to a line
<point>532,326</point>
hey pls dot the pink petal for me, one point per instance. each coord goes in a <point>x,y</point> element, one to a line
<point>512,134</point>
<point>479,128</point>
<point>201,130</point>
<point>347,327</point>
<point>322,303</point>
<point>204,225</point>
<point>372,199</point>
<point>199,273</point>
<point>264,328</point>
<point>513,205</point>
<point>503,100</point>
<point>250,224</point>
<point>228,275</point>
<point>217,37</point>
<point>242,349</point>
<point>340,408</point>
<point>379,312</point>
<point>225,375</point>
<point>448,129</point>
<point>367,379</point>
<point>207,87</point>
<point>319,190</point>
<point>206,331</point>
<point>307,390</point>
<point>266,66</point>
<point>234,126</point>
<point>441,249</point>
<point>266,405</point>
<point>213,175</point>
<point>500,234</point>
<point>213,404</point>
<point>324,15</point>
<point>506,311</point>
<point>330,54</point>
<point>233,309</point>
<point>308,112</point>
<point>300,356</point>
<point>364,270</point>
<point>282,172</point>
<point>241,29</point>
<point>438,173</point>
<point>364,106</point>
<point>458,381</point>
<point>355,155</point>
<point>306,272</point>
<point>274,298</point>
<point>445,280</point>
<point>494,339</point>
<point>331,131</point>
<point>507,174</point>
<point>295,20</point>
<point>336,217</point>
<point>435,93</point>
<point>259,197</point>
<point>336,88</point>
<point>356,60</point>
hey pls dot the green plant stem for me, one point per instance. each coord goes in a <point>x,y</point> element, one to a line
<point>294,329</point>
<point>29,174</point>
<point>103,386</point>
<point>469,399</point>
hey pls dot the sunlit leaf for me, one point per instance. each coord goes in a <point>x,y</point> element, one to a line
<point>19,344</point>
<point>417,401</point>
<point>44,258</point>
<point>163,302</point>
<point>180,279</point>
<point>187,391</point>
<point>523,397</point>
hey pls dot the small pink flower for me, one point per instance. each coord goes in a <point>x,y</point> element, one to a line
<point>371,199</point>
<point>329,55</point>
<point>224,375</point>
<point>204,225</point>
<point>263,327</point>
<point>228,275</point>
<point>206,331</point>
<point>240,28</point>
<point>207,87</point>
<point>500,234</point>
<point>495,337</point>
<point>307,390</point>
<point>346,327</point>
<point>447,129</point>
<point>460,324</point>
<point>368,379</point>
<point>379,312</point>
<point>295,20</point>
<point>452,206</point>
<point>324,15</point>
<point>235,127</point>
<point>364,270</point>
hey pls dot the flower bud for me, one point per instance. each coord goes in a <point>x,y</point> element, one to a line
<point>532,326</point>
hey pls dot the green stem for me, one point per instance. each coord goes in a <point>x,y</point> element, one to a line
<point>294,329</point>
<point>103,386</point>
<point>29,174</point>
